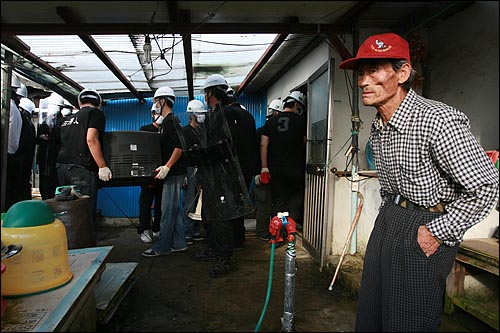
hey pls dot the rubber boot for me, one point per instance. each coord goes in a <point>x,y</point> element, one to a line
<point>222,267</point>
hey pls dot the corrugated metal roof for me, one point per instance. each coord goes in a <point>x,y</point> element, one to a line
<point>232,55</point>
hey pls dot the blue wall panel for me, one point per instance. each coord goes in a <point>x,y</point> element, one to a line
<point>130,115</point>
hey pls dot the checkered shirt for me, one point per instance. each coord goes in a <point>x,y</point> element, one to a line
<point>427,154</point>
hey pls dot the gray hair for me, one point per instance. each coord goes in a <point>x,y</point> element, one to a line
<point>397,64</point>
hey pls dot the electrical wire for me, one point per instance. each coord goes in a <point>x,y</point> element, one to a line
<point>125,214</point>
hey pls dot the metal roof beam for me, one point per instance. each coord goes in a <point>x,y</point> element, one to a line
<point>67,16</point>
<point>167,28</point>
<point>23,50</point>
<point>184,16</point>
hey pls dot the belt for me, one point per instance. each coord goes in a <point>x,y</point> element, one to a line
<point>399,200</point>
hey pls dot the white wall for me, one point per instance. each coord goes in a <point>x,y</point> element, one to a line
<point>464,71</point>
<point>298,74</point>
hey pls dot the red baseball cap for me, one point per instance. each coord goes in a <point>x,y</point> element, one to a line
<point>382,46</point>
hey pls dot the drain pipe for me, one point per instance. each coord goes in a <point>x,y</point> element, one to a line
<point>355,120</point>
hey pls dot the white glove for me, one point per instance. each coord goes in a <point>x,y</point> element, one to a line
<point>105,174</point>
<point>162,172</point>
<point>257,180</point>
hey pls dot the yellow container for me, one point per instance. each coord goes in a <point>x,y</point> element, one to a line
<point>43,263</point>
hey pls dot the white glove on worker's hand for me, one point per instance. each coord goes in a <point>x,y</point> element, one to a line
<point>162,172</point>
<point>265,176</point>
<point>105,174</point>
<point>257,180</point>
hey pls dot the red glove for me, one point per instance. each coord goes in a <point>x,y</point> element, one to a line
<point>265,177</point>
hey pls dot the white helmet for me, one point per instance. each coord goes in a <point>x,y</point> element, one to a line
<point>215,80</point>
<point>296,96</point>
<point>22,91</point>
<point>87,96</point>
<point>276,105</point>
<point>27,105</point>
<point>196,106</point>
<point>164,91</point>
<point>55,99</point>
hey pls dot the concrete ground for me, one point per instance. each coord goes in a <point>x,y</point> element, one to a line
<point>174,293</point>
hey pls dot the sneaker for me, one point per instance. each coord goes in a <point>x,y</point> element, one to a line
<point>204,255</point>
<point>189,240</point>
<point>152,253</point>
<point>156,234</point>
<point>146,236</point>
<point>179,250</point>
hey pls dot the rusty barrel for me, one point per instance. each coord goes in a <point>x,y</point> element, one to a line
<point>78,221</point>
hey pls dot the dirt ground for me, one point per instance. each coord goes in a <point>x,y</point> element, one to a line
<point>174,293</point>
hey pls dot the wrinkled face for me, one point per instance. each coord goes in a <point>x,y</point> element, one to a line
<point>379,82</point>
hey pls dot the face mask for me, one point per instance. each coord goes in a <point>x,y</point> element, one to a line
<point>155,109</point>
<point>159,120</point>
<point>200,118</point>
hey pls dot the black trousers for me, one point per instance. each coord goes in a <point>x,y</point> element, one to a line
<point>263,204</point>
<point>222,236</point>
<point>86,182</point>
<point>287,193</point>
<point>149,194</point>
<point>401,288</point>
<point>17,185</point>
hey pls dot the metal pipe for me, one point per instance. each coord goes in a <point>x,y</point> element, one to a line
<point>287,322</point>
<point>354,145</point>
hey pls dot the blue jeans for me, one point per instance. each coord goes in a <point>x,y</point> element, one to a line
<point>172,235</point>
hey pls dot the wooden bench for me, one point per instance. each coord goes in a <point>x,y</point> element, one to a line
<point>90,298</point>
<point>472,284</point>
<point>115,283</point>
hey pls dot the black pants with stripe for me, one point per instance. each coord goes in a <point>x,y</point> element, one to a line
<point>402,289</point>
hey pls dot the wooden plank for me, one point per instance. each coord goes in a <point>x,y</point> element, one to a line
<point>116,281</point>
<point>486,312</point>
<point>483,249</point>
<point>58,309</point>
<point>477,263</point>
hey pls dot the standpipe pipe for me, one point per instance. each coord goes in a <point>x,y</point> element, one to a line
<point>277,223</point>
<point>287,323</point>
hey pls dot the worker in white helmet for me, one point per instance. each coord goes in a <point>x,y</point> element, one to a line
<point>171,172</point>
<point>225,191</point>
<point>283,157</point>
<point>151,193</point>
<point>49,143</point>
<point>80,160</point>
<point>197,113</point>
<point>262,192</point>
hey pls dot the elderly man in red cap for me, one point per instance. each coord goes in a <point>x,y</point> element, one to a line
<point>436,182</point>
